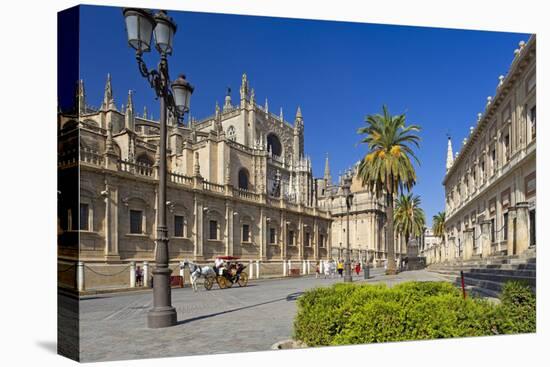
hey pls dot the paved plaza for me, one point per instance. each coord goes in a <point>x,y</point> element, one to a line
<point>253,318</point>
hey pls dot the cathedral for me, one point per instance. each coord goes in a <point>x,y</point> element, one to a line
<point>239,184</point>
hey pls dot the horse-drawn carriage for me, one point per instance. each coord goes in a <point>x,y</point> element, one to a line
<point>229,272</point>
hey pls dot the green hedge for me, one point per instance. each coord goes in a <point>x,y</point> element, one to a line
<point>356,314</point>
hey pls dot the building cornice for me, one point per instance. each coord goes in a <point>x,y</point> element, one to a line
<point>517,67</point>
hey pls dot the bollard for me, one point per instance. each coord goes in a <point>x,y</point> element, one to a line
<point>80,276</point>
<point>181,269</point>
<point>146,274</point>
<point>366,271</point>
<point>303,267</point>
<point>251,269</point>
<point>284,269</point>
<point>321,267</point>
<point>257,269</point>
<point>132,274</point>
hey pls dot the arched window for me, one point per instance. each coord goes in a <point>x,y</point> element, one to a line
<point>243,179</point>
<point>274,145</point>
<point>145,160</point>
<point>231,134</point>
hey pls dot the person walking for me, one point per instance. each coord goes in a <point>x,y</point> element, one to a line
<point>139,276</point>
<point>357,268</point>
<point>340,268</point>
<point>317,270</point>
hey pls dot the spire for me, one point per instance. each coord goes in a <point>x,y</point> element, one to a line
<point>299,113</point>
<point>109,149</point>
<point>227,105</point>
<point>129,114</point>
<point>196,165</point>
<point>81,96</point>
<point>281,114</point>
<point>328,179</point>
<point>449,154</point>
<point>244,89</point>
<point>108,100</point>
<point>266,106</point>
<point>144,112</point>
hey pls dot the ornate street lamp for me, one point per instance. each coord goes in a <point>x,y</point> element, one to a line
<point>346,187</point>
<point>140,26</point>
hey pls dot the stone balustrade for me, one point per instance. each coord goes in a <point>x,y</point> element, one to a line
<point>180,179</point>
<point>210,186</point>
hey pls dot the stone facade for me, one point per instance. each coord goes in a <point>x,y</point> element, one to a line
<point>490,184</point>
<point>239,184</point>
<point>367,219</point>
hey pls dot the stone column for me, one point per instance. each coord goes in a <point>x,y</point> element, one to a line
<point>132,274</point>
<point>251,269</point>
<point>228,228</point>
<point>283,236</point>
<point>304,269</point>
<point>80,276</point>
<point>485,238</point>
<point>315,240</point>
<point>522,227</point>
<point>111,223</point>
<point>146,274</point>
<point>199,232</point>
<point>468,243</point>
<point>511,233</point>
<point>289,267</point>
<point>263,234</point>
<point>300,238</point>
<point>257,269</point>
<point>284,269</point>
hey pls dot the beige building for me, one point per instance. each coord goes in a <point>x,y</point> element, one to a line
<point>431,247</point>
<point>490,184</point>
<point>239,184</point>
<point>367,219</point>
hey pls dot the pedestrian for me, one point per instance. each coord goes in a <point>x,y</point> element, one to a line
<point>139,276</point>
<point>357,268</point>
<point>317,271</point>
<point>340,267</point>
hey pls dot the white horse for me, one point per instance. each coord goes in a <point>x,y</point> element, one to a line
<point>330,269</point>
<point>196,271</point>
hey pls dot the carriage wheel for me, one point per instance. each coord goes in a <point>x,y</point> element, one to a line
<point>243,280</point>
<point>228,283</point>
<point>221,282</point>
<point>208,282</point>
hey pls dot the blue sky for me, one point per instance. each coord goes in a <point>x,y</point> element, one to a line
<point>338,72</point>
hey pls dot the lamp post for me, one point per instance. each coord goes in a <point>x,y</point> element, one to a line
<point>349,196</point>
<point>141,24</point>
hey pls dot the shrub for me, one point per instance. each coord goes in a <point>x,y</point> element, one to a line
<point>352,314</point>
<point>517,313</point>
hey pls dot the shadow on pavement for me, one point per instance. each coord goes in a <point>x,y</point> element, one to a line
<point>290,297</point>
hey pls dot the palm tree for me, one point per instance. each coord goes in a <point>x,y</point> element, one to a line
<point>408,216</point>
<point>438,226</point>
<point>387,168</point>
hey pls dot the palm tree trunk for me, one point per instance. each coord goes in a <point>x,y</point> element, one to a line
<point>390,269</point>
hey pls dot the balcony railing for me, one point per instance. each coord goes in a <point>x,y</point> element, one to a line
<point>180,179</point>
<point>91,156</point>
<point>246,194</point>
<point>210,186</point>
<point>137,168</point>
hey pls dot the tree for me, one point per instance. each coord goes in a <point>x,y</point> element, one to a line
<point>438,226</point>
<point>387,168</point>
<point>409,218</point>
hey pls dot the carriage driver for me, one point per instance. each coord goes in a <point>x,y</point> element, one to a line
<point>218,265</point>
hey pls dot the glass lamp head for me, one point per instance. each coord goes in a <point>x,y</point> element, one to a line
<point>139,28</point>
<point>165,29</point>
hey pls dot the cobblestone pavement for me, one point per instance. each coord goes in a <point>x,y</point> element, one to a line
<point>253,318</point>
